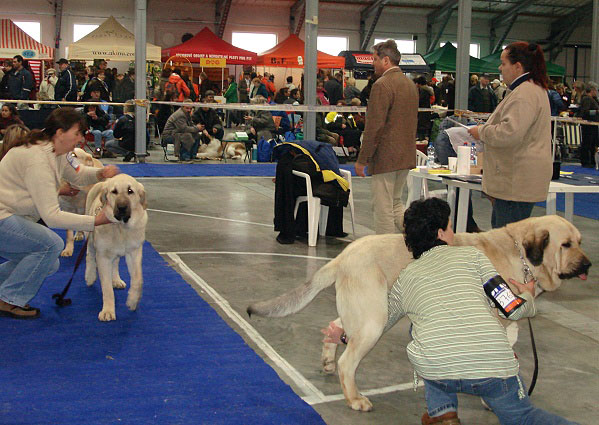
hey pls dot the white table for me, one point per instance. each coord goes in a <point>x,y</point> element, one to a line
<point>416,179</point>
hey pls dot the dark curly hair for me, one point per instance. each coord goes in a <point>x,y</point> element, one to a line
<point>422,221</point>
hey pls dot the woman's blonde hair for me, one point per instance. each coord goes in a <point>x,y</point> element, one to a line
<point>14,134</point>
<point>351,81</point>
<point>257,100</point>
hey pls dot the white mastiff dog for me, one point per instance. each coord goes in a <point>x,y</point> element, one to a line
<point>365,271</point>
<point>124,200</point>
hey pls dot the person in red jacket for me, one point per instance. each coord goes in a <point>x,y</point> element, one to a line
<point>177,86</point>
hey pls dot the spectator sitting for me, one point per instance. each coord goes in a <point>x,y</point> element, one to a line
<point>281,96</point>
<point>124,130</point>
<point>345,126</point>
<point>209,119</point>
<point>262,124</point>
<point>98,124</point>
<point>321,93</point>
<point>258,89</point>
<point>8,116</point>
<point>181,131</point>
<point>322,134</point>
<point>294,97</point>
<point>351,90</point>
<point>359,117</point>
<point>12,135</point>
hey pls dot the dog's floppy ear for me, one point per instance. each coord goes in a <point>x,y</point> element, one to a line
<point>534,244</point>
<point>142,196</point>
<point>104,194</point>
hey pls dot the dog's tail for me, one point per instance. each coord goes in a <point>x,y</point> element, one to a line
<point>298,298</point>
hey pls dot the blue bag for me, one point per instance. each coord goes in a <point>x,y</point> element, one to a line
<point>265,150</point>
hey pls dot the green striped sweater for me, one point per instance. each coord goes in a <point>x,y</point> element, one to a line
<point>455,333</point>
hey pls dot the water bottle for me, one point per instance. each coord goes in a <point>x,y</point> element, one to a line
<point>473,160</point>
<point>430,153</point>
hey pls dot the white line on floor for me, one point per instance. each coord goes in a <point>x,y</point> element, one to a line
<point>306,386</point>
<point>211,217</point>
<point>375,391</point>
<point>273,254</point>
<point>568,318</point>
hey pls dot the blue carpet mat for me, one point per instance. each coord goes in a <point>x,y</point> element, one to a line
<point>173,361</point>
<point>204,170</point>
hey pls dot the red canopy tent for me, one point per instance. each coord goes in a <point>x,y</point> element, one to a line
<point>290,54</point>
<point>206,44</point>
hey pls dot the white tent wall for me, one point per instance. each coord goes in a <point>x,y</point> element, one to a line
<point>168,20</point>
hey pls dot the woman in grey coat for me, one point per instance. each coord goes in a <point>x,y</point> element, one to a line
<point>262,124</point>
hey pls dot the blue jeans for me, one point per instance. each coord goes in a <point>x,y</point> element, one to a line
<point>185,155</point>
<point>506,212</point>
<point>32,252</point>
<point>98,135</point>
<point>501,395</point>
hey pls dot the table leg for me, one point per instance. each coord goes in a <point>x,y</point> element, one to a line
<point>551,207</point>
<point>569,206</point>
<point>462,216</point>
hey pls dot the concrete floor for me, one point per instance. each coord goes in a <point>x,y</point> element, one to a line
<point>218,233</point>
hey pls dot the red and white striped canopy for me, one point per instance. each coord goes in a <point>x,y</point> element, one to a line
<point>14,41</point>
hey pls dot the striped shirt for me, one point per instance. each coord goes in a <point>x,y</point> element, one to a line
<point>455,333</point>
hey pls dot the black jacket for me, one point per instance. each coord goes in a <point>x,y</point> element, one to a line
<point>475,99</point>
<point>209,118</point>
<point>20,84</point>
<point>98,124</point>
<point>124,129</point>
<point>66,86</point>
<point>334,89</point>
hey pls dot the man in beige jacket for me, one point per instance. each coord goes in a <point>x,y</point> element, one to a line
<point>389,143</point>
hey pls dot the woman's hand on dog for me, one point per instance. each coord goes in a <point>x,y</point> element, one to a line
<point>107,172</point>
<point>101,218</point>
<point>528,287</point>
<point>332,334</point>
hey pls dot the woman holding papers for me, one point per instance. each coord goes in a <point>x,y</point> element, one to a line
<point>517,165</point>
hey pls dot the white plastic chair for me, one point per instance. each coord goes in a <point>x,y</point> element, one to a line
<point>421,160</point>
<point>318,214</point>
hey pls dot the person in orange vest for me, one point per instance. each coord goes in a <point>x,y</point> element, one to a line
<point>268,81</point>
<point>177,86</point>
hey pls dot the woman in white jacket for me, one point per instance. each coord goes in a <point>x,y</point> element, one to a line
<point>30,175</point>
<point>517,137</point>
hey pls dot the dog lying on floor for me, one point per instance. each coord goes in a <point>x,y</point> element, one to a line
<point>76,204</point>
<point>365,271</point>
<point>125,199</point>
<point>214,150</point>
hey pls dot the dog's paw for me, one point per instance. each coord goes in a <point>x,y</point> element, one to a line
<point>361,404</point>
<point>79,236</point>
<point>90,277</point>
<point>107,315</point>
<point>132,301</point>
<point>119,284</point>
<point>67,252</point>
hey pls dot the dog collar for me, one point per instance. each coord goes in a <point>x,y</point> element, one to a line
<point>525,267</point>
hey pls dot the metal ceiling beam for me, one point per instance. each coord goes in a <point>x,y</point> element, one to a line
<point>58,23</point>
<point>562,29</point>
<point>572,19</point>
<point>224,15</point>
<point>375,8</point>
<point>510,13</point>
<point>443,14</point>
<point>295,25</point>
<point>506,30</point>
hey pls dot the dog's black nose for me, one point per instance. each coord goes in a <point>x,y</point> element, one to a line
<point>122,209</point>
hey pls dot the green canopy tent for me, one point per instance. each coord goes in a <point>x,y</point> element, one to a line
<point>553,70</point>
<point>444,59</point>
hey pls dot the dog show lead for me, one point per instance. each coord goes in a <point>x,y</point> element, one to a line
<point>30,174</point>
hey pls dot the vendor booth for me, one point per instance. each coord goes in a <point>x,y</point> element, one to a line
<point>359,63</point>
<point>553,70</point>
<point>110,41</point>
<point>444,59</point>
<point>210,53</point>
<point>14,41</point>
